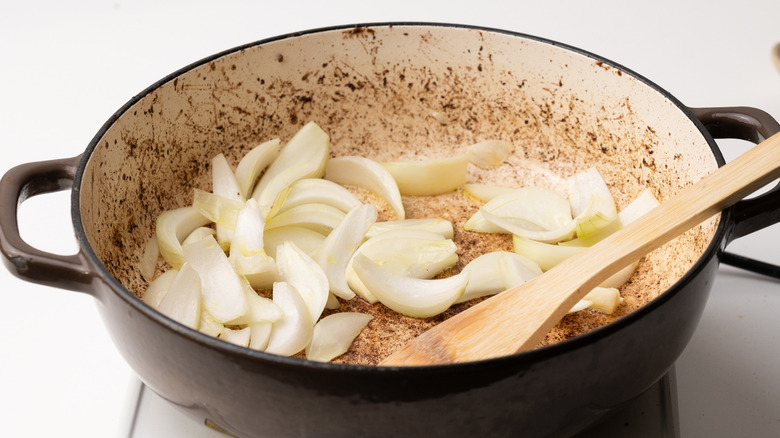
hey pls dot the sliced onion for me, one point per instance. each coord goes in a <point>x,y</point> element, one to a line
<point>148,263</point>
<point>254,162</point>
<point>172,227</point>
<point>406,252</point>
<point>222,288</point>
<point>199,233</point>
<point>496,272</point>
<point>591,202</point>
<point>528,209</point>
<point>222,211</point>
<point>301,272</point>
<point>433,225</point>
<point>182,303</point>
<point>309,241</point>
<point>293,332</point>
<point>419,298</point>
<point>260,334</point>
<point>238,337</point>
<point>157,289</point>
<point>209,325</point>
<point>334,334</point>
<point>490,154</point>
<point>316,217</point>
<point>319,191</point>
<point>304,156</point>
<point>521,227</point>
<point>544,254</point>
<point>368,174</point>
<point>486,192</point>
<point>223,180</point>
<point>260,309</point>
<point>341,244</point>
<point>429,177</point>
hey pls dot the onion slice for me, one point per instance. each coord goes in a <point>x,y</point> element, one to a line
<point>429,177</point>
<point>172,227</point>
<point>440,226</point>
<point>334,334</point>
<point>222,288</point>
<point>182,303</point>
<point>319,191</point>
<point>304,156</point>
<point>301,272</point>
<point>418,298</point>
<point>496,272</point>
<point>254,162</point>
<point>338,248</point>
<point>490,154</point>
<point>293,332</point>
<point>316,217</point>
<point>368,174</point>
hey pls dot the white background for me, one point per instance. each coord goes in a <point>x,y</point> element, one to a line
<point>65,67</point>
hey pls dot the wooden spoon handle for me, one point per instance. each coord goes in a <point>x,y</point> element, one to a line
<point>519,318</point>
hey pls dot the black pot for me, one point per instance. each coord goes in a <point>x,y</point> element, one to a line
<point>370,86</point>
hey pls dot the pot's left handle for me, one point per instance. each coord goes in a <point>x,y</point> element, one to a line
<point>71,272</point>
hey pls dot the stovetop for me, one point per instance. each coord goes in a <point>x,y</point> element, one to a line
<point>67,66</point>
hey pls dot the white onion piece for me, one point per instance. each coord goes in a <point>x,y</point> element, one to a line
<point>304,156</point>
<point>157,289</point>
<point>333,302</point>
<point>309,241</point>
<point>172,227</point>
<point>238,337</point>
<point>419,298</point>
<point>148,263</point>
<point>199,233</point>
<point>490,154</point>
<point>254,162</point>
<point>544,254</point>
<point>222,211</point>
<point>223,180</point>
<point>319,191</point>
<point>486,192</point>
<point>341,244</point>
<point>521,227</point>
<point>604,299</point>
<point>547,256</point>
<point>429,177</point>
<point>591,202</point>
<point>334,334</point>
<point>496,272</point>
<point>433,225</point>
<point>293,332</point>
<point>246,250</point>
<point>182,303</point>
<point>209,325</point>
<point>405,252</point>
<point>316,217</point>
<point>260,309</point>
<point>260,334</point>
<point>581,305</point>
<point>368,174</point>
<point>222,288</point>
<point>529,210</point>
<point>304,274</point>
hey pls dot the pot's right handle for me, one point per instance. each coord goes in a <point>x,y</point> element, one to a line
<point>71,272</point>
<point>750,215</point>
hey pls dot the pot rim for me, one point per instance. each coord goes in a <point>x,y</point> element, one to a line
<point>527,357</point>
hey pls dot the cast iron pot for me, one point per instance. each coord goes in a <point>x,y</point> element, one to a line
<point>393,91</point>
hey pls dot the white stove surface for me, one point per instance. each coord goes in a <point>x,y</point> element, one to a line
<point>67,66</point>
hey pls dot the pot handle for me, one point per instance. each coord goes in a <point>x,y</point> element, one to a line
<point>71,272</point>
<point>750,215</point>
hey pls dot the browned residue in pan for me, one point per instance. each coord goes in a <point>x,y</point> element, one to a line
<point>382,93</point>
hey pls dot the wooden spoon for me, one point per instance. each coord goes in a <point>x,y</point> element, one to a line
<point>519,318</point>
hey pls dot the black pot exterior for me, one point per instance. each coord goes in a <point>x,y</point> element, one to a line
<point>554,391</point>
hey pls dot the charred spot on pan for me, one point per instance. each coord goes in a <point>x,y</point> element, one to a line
<point>360,31</point>
<point>279,57</point>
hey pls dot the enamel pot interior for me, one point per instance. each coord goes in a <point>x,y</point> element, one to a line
<point>388,92</point>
